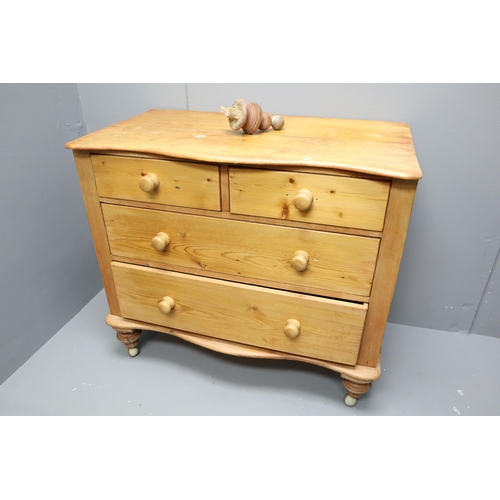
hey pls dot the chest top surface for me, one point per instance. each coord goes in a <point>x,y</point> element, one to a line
<point>371,147</point>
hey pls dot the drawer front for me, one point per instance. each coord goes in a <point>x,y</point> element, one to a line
<point>166,182</point>
<point>326,329</point>
<point>315,198</point>
<point>332,263</point>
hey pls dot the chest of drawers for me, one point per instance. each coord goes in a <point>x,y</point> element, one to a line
<point>281,244</point>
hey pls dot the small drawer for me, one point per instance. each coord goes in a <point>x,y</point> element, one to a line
<point>177,183</point>
<point>315,198</point>
<point>315,327</point>
<point>302,260</point>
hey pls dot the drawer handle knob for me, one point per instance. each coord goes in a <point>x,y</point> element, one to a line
<point>160,242</point>
<point>166,305</point>
<point>300,260</point>
<point>303,200</point>
<point>149,183</point>
<point>292,328</point>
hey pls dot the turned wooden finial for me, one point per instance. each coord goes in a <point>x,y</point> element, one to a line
<point>250,117</point>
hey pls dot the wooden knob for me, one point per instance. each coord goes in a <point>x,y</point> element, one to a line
<point>300,260</point>
<point>160,242</point>
<point>149,183</point>
<point>254,118</point>
<point>292,328</point>
<point>166,305</point>
<point>266,121</point>
<point>303,200</point>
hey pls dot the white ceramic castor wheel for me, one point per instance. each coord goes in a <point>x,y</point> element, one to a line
<point>277,122</point>
<point>133,352</point>
<point>349,400</point>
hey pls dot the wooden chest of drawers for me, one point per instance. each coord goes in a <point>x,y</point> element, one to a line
<point>281,244</point>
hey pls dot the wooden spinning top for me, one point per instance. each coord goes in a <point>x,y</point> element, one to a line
<point>250,117</point>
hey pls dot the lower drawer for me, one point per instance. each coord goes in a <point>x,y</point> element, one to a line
<point>320,328</point>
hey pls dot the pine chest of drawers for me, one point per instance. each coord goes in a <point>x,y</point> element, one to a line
<point>281,244</point>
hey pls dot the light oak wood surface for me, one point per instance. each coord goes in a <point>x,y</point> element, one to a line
<point>336,262</point>
<point>357,373</point>
<point>386,274</point>
<point>96,222</point>
<point>247,218</point>
<point>337,201</point>
<point>330,330</point>
<point>177,183</point>
<point>372,147</point>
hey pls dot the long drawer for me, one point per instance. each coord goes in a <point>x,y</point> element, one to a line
<point>178,183</point>
<point>283,321</point>
<point>317,262</point>
<point>314,198</point>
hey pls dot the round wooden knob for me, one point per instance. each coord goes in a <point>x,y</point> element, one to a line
<point>266,121</point>
<point>160,242</point>
<point>149,183</point>
<point>166,305</point>
<point>303,200</point>
<point>300,260</point>
<point>292,328</point>
<point>254,117</point>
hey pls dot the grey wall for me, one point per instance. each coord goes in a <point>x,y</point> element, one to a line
<point>447,277</point>
<point>108,103</point>
<point>48,269</point>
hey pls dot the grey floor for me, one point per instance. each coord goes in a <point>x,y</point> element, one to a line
<point>84,370</point>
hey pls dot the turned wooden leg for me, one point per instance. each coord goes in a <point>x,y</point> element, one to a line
<point>131,339</point>
<point>354,390</point>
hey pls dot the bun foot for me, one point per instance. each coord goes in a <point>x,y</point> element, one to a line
<point>355,389</point>
<point>131,340</point>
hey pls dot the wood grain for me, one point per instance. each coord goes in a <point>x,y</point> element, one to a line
<point>224,188</point>
<point>182,184</point>
<point>248,218</point>
<point>354,373</point>
<point>336,262</point>
<point>96,222</point>
<point>337,201</point>
<point>330,330</point>
<point>386,273</point>
<point>371,147</point>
